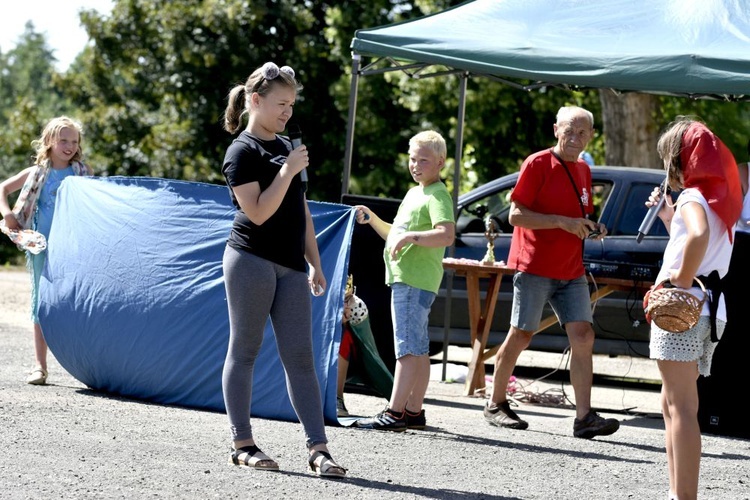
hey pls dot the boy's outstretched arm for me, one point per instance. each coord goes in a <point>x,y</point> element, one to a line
<point>367,216</point>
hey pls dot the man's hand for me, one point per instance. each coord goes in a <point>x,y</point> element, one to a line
<point>583,228</point>
<point>598,232</point>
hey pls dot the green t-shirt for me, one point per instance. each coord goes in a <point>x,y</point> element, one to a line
<point>421,210</point>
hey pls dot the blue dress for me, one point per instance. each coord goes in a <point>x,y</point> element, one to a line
<point>42,222</point>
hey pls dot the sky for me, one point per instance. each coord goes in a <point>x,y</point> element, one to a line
<point>56,19</point>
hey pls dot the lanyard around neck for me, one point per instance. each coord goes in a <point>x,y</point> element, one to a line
<point>572,182</point>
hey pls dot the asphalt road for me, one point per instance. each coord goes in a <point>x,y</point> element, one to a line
<point>66,441</point>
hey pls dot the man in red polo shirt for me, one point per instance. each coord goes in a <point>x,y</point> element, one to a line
<point>549,209</point>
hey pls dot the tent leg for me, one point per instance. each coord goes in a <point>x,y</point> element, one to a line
<point>350,124</point>
<point>463,79</point>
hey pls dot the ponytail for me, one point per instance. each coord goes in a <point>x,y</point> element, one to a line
<point>235,109</point>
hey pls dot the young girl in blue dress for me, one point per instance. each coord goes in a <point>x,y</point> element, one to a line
<point>58,155</point>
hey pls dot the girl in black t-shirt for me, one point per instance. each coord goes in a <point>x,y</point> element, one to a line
<point>265,264</point>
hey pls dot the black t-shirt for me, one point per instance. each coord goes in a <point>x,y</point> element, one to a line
<point>281,238</point>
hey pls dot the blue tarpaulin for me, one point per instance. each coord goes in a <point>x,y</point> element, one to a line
<point>132,299</point>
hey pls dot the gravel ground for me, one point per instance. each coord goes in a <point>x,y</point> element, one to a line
<point>66,441</point>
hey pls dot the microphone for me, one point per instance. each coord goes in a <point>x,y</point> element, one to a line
<point>295,135</point>
<point>652,213</point>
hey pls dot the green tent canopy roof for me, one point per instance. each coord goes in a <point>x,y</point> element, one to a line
<point>698,48</point>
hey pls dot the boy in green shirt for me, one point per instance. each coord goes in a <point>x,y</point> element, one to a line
<point>414,248</point>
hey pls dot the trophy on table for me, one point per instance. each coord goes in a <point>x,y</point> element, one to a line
<point>491,234</point>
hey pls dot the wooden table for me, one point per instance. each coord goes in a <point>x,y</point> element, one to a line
<point>480,315</point>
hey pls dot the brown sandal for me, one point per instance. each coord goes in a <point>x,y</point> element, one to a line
<point>251,456</point>
<point>326,467</point>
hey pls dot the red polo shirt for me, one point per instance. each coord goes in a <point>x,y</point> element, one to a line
<point>543,186</point>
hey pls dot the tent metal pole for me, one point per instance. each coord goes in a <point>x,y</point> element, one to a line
<point>463,80</point>
<point>350,124</point>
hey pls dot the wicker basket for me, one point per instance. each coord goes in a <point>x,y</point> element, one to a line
<point>675,309</point>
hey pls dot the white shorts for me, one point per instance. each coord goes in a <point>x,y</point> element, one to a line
<point>693,345</point>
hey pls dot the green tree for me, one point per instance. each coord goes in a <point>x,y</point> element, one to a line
<point>153,88</point>
<point>29,96</point>
<point>28,73</point>
<point>383,121</point>
<point>153,91</point>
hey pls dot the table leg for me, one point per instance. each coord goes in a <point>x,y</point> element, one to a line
<point>480,327</point>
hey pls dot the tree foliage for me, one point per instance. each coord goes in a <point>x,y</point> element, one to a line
<point>29,96</point>
<point>153,88</point>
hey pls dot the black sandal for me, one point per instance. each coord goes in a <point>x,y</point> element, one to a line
<point>253,458</point>
<point>327,467</point>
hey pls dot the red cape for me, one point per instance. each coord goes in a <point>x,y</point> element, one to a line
<point>709,166</point>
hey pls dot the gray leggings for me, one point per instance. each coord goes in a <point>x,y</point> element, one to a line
<point>257,288</point>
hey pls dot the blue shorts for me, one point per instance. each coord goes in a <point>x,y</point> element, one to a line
<point>410,309</point>
<point>569,299</point>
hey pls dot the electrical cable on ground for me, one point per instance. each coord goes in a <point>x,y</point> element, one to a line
<point>520,391</point>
